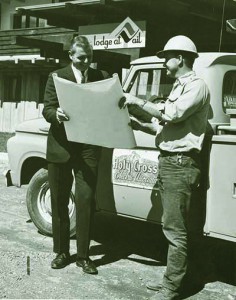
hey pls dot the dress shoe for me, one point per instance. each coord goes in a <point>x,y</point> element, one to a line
<point>153,285</point>
<point>60,261</point>
<point>87,265</point>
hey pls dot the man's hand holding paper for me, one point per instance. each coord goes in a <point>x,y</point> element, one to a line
<point>61,116</point>
<point>94,115</point>
<point>127,99</point>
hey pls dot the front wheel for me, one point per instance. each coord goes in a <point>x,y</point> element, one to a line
<point>38,200</point>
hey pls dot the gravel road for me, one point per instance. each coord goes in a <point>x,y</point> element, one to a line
<point>127,253</point>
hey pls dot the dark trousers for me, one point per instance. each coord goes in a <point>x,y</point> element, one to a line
<point>83,163</point>
<point>178,182</point>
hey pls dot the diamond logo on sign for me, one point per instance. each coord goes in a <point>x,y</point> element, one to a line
<point>127,30</point>
<point>128,34</point>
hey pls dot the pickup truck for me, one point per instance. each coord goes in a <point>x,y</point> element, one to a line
<point>127,177</point>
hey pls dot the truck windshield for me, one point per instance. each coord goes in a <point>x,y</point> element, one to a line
<point>151,84</point>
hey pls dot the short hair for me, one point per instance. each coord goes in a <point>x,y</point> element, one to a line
<point>80,41</point>
<point>189,58</point>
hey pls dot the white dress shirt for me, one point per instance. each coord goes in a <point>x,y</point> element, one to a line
<point>78,74</point>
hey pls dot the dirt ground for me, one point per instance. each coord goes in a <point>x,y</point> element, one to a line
<point>127,252</point>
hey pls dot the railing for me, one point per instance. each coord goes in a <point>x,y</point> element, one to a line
<point>12,113</point>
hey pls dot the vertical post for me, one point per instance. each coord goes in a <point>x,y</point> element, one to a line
<point>222,25</point>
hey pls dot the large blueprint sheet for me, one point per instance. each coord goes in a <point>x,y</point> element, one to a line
<point>95,117</point>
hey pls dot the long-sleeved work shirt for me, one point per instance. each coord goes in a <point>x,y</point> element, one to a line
<point>185,115</point>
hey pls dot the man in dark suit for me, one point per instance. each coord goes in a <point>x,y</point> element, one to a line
<point>63,157</point>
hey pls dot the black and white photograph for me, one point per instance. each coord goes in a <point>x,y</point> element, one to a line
<point>118,149</point>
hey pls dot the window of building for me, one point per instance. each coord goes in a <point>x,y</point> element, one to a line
<point>12,88</point>
<point>42,84</point>
<point>17,20</point>
<point>20,21</point>
<point>151,84</point>
<point>229,90</point>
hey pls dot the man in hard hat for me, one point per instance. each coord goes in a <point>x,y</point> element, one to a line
<point>184,116</point>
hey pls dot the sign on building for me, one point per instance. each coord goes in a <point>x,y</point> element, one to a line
<point>128,34</point>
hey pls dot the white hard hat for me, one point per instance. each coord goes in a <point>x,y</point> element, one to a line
<point>179,43</point>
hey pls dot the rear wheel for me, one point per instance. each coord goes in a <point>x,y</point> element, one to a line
<point>38,199</point>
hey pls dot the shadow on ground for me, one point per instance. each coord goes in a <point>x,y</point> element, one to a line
<point>122,238</point>
<point>119,237</point>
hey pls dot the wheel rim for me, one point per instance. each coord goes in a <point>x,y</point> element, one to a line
<point>44,203</point>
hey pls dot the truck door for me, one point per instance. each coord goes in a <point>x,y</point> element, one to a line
<point>127,177</point>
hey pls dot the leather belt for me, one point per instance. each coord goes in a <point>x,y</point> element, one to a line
<point>193,154</point>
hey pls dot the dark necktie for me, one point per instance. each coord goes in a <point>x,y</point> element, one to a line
<point>82,76</point>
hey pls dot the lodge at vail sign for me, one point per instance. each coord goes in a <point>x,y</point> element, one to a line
<point>128,34</point>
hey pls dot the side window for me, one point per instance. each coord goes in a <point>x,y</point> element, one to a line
<point>229,90</point>
<point>151,84</point>
<point>19,21</point>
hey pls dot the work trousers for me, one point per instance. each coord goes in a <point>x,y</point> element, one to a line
<point>178,180</point>
<point>83,163</point>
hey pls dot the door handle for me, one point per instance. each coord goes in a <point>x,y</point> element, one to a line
<point>234,190</point>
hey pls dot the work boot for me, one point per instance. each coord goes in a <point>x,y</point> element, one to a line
<point>165,294</point>
<point>153,285</point>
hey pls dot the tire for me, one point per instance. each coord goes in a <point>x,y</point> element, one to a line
<point>38,202</point>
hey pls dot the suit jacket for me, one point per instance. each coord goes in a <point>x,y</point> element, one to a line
<point>59,149</point>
